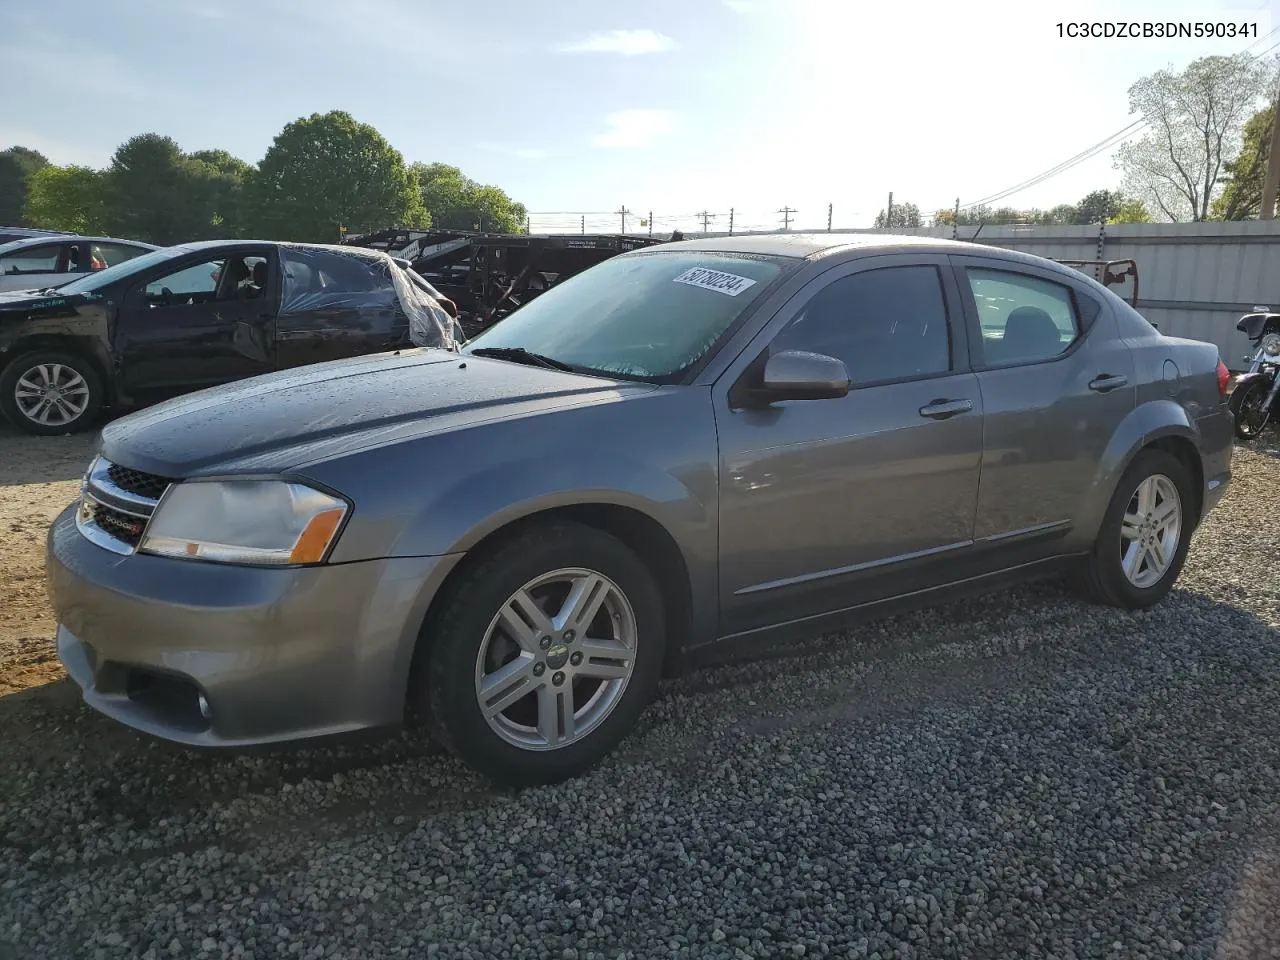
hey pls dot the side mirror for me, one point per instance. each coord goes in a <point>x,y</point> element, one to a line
<point>800,375</point>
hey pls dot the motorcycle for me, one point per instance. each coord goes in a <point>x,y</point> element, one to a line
<point>1256,397</point>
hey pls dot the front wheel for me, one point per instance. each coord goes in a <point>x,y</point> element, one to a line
<point>1143,541</point>
<point>50,393</point>
<point>1250,409</point>
<point>544,655</point>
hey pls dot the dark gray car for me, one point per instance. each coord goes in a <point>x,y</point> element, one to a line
<point>696,444</point>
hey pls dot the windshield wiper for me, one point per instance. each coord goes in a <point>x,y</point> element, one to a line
<point>521,355</point>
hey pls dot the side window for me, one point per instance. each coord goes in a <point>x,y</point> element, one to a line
<point>1023,319</point>
<point>226,278</point>
<point>194,284</point>
<point>886,324</point>
<point>43,259</point>
<point>103,255</point>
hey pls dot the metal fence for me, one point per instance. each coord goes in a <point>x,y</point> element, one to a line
<point>1195,279</point>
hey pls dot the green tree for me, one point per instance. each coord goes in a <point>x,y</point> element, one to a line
<point>903,215</point>
<point>456,202</point>
<point>327,171</point>
<point>1131,211</point>
<point>218,183</point>
<point>1194,119</point>
<point>17,164</point>
<point>1062,213</point>
<point>149,192</point>
<point>69,198</point>
<point>1098,206</point>
<point>1241,197</point>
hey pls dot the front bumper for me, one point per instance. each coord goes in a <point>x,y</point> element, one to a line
<point>278,654</point>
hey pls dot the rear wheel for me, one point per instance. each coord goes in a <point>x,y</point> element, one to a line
<point>544,655</point>
<point>1145,534</point>
<point>50,392</point>
<point>1251,413</point>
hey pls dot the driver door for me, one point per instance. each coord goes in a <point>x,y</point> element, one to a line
<point>197,323</point>
<point>829,504</point>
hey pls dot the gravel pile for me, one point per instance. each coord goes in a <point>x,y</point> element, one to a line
<point>1020,775</point>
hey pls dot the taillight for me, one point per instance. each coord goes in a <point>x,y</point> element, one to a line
<point>1224,379</point>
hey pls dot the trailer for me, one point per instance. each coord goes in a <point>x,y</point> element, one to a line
<point>487,275</point>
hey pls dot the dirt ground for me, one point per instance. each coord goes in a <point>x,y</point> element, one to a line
<point>38,477</point>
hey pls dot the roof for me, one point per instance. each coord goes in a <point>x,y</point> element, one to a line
<point>346,250</point>
<point>817,244</point>
<point>72,238</point>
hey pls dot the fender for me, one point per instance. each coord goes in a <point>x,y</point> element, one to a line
<point>654,454</point>
<point>1151,421</point>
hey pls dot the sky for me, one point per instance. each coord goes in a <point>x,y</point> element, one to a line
<point>587,106</point>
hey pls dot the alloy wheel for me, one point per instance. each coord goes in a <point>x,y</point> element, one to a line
<point>1150,531</point>
<point>51,394</point>
<point>556,659</point>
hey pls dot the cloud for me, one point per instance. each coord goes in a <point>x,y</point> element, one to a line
<point>628,129</point>
<point>740,6</point>
<point>629,43</point>
<point>522,153</point>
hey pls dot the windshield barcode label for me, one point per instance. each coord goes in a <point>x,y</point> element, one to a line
<point>726,283</point>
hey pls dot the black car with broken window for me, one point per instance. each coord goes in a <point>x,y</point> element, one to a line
<point>200,314</point>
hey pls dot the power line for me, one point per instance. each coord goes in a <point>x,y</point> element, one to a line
<point>1127,132</point>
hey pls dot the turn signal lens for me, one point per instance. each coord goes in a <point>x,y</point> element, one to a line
<point>317,536</point>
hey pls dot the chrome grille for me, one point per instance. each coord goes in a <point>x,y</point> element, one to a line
<point>135,481</point>
<point>116,503</point>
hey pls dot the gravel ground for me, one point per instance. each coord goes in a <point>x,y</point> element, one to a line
<point>1020,775</point>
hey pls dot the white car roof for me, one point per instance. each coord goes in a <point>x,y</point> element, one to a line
<point>22,244</point>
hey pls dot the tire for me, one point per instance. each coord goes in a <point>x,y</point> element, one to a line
<point>466,645</point>
<point>1103,575</point>
<point>80,402</point>
<point>1244,429</point>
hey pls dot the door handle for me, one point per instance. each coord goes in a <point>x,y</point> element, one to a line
<point>942,409</point>
<point>1105,382</point>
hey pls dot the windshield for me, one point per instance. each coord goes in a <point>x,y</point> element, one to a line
<point>650,317</point>
<point>100,278</point>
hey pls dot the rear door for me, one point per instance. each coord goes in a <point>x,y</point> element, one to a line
<point>197,322</point>
<point>335,305</point>
<point>1056,382</point>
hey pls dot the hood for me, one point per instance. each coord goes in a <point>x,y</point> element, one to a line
<point>36,301</point>
<point>284,420</point>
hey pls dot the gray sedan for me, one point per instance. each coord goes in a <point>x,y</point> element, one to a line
<point>680,450</point>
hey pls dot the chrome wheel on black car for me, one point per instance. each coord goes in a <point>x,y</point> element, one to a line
<point>50,393</point>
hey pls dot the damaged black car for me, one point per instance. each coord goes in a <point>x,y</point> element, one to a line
<point>197,315</point>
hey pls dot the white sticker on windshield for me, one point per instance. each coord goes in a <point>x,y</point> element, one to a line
<point>726,283</point>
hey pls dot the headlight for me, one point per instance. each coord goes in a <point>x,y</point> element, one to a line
<point>245,521</point>
<point>1270,345</point>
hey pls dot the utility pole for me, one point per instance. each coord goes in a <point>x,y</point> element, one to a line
<point>584,223</point>
<point>1272,183</point>
<point>651,223</point>
<point>706,220</point>
<point>955,221</point>
<point>830,207</point>
<point>786,217</point>
<point>622,211</point>
<point>528,221</point>
<point>731,221</point>
<point>888,214</point>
